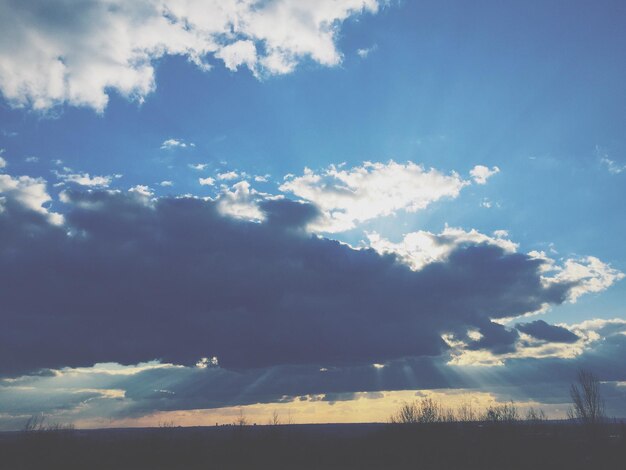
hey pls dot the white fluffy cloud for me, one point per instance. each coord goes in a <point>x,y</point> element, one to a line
<point>588,273</point>
<point>241,201</point>
<point>67,51</point>
<point>228,175</point>
<point>29,192</point>
<point>208,181</point>
<point>142,190</point>
<point>481,173</point>
<point>349,196</point>
<point>3,162</point>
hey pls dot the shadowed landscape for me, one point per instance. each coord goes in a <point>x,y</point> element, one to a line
<point>549,445</point>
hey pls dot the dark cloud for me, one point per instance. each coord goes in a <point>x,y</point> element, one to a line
<point>180,388</point>
<point>541,330</point>
<point>128,281</point>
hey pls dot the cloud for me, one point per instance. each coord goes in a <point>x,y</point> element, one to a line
<point>3,162</point>
<point>587,274</point>
<point>55,51</point>
<point>118,392</point>
<point>166,183</point>
<point>142,190</point>
<point>31,159</point>
<point>481,173</point>
<point>541,330</point>
<point>208,181</point>
<point>198,166</point>
<point>241,202</point>
<point>537,340</point>
<point>175,143</point>
<point>84,179</point>
<point>363,53</point>
<point>417,249</point>
<point>129,281</point>
<point>29,193</point>
<point>228,175</point>
<point>237,54</point>
<point>349,196</point>
<point>614,168</point>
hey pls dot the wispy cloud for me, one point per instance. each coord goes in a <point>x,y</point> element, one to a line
<point>175,143</point>
<point>85,179</point>
<point>198,166</point>
<point>365,52</point>
<point>613,167</point>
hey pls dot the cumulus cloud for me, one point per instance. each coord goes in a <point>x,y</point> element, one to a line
<point>3,162</point>
<point>358,194</point>
<point>176,279</point>
<point>29,193</point>
<point>241,202</point>
<point>208,181</point>
<point>166,183</point>
<point>417,249</point>
<point>588,274</point>
<point>58,51</point>
<point>142,190</point>
<point>228,175</point>
<point>481,173</point>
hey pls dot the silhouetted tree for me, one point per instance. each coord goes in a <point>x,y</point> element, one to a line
<point>588,403</point>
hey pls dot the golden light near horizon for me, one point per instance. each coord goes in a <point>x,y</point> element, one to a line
<point>365,407</point>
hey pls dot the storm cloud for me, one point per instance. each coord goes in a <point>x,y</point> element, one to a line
<point>127,279</point>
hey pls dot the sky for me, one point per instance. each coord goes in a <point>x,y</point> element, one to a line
<point>323,208</point>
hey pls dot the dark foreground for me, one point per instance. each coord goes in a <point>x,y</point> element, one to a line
<point>363,446</point>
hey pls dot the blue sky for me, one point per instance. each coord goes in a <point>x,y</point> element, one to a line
<point>529,94</point>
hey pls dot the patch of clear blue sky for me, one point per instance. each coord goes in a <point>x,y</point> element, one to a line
<point>533,87</point>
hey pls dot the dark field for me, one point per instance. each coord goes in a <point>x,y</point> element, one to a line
<point>549,445</point>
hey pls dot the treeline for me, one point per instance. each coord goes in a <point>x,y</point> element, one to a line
<point>427,411</point>
<point>587,408</point>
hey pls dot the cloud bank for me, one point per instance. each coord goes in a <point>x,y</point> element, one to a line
<point>131,278</point>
